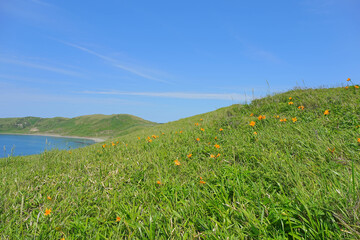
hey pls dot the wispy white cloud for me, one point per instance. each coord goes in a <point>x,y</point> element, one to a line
<point>39,66</point>
<point>181,95</point>
<point>256,52</point>
<point>116,63</point>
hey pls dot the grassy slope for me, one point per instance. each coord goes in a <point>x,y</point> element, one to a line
<point>86,126</point>
<point>282,182</point>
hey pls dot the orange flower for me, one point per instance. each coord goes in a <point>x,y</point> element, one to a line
<point>112,143</point>
<point>202,182</point>
<point>221,129</point>
<point>149,140</point>
<point>104,145</point>
<point>117,142</point>
<point>261,117</point>
<point>301,107</point>
<point>202,129</point>
<point>252,123</point>
<point>294,119</point>
<point>47,212</point>
<point>158,182</point>
<point>215,138</point>
<point>255,133</point>
<point>291,103</point>
<point>326,112</point>
<point>290,98</point>
<point>198,139</point>
<point>283,120</point>
<point>356,86</point>
<point>331,150</point>
<point>138,138</point>
<point>212,155</point>
<point>346,87</point>
<point>162,133</point>
<point>348,79</point>
<point>358,140</point>
<point>177,163</point>
<point>48,197</point>
<point>201,119</point>
<point>218,155</point>
<point>189,155</point>
<point>251,114</point>
<point>196,124</point>
<point>181,131</point>
<point>277,116</point>
<point>118,219</point>
<point>217,146</point>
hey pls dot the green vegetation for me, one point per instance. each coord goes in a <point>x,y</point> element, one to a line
<point>289,180</point>
<point>98,125</point>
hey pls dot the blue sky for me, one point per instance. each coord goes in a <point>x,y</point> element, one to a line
<point>166,60</point>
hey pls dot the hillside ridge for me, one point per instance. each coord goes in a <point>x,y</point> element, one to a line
<point>96,125</point>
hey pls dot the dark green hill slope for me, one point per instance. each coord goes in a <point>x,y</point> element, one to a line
<point>86,126</point>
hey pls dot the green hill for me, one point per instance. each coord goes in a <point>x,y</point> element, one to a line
<point>277,168</point>
<point>97,125</point>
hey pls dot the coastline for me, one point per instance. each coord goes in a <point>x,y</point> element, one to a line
<point>96,140</point>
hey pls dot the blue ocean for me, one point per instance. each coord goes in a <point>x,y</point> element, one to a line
<point>20,145</point>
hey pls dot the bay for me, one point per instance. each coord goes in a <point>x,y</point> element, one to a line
<point>20,145</point>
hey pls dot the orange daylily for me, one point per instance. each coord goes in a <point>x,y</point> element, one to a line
<point>348,79</point>
<point>177,163</point>
<point>118,219</point>
<point>189,155</point>
<point>47,212</point>
<point>294,119</point>
<point>291,103</point>
<point>217,146</point>
<point>326,112</point>
<point>252,123</point>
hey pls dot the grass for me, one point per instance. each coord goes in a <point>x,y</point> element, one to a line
<point>291,180</point>
<point>97,125</point>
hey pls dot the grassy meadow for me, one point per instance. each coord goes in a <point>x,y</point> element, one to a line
<point>283,167</point>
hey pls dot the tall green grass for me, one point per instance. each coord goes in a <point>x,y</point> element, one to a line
<point>291,180</point>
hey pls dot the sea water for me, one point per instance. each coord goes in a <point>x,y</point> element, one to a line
<point>20,145</point>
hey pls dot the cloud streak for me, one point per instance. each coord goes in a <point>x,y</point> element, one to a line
<point>115,63</point>
<point>180,95</point>
<point>40,66</point>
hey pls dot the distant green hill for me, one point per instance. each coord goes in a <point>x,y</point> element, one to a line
<point>97,125</point>
<point>283,167</point>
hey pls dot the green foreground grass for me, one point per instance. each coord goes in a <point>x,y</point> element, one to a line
<point>291,180</point>
<point>97,125</point>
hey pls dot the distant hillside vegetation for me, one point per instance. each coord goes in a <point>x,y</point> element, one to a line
<point>97,125</point>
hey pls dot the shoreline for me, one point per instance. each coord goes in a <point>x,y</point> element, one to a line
<point>96,140</point>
